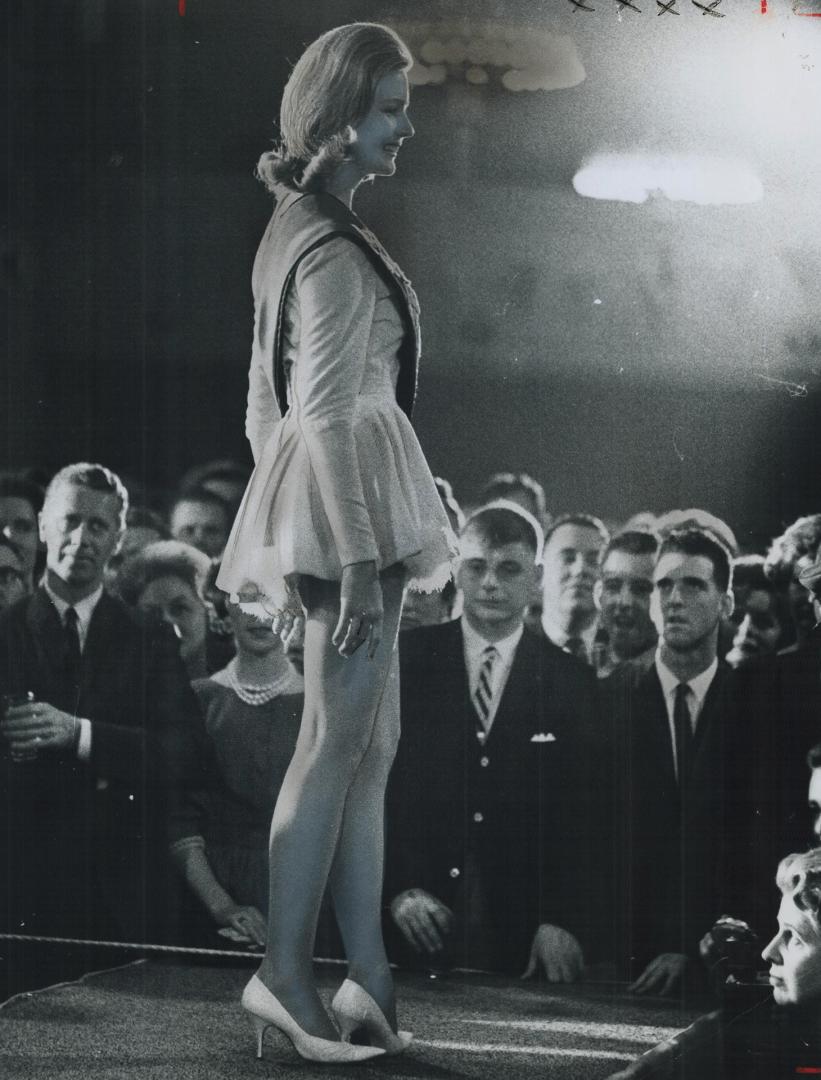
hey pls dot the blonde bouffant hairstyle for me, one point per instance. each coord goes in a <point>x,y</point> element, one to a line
<point>329,92</point>
<point>799,877</point>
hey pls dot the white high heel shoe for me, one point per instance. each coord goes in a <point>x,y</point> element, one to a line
<point>354,1008</point>
<point>267,1012</point>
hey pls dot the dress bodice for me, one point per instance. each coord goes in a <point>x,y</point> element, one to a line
<point>387,333</point>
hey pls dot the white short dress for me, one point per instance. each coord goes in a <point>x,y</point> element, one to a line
<point>340,478</point>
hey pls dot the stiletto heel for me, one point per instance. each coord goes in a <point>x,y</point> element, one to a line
<point>354,1009</point>
<point>266,1011</point>
<point>260,1027</point>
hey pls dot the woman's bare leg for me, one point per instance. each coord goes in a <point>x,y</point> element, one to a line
<point>341,700</point>
<point>357,871</point>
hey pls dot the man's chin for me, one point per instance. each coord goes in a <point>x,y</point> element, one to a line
<point>678,641</point>
<point>79,576</point>
<point>626,643</point>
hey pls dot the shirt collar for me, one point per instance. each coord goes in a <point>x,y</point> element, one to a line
<point>561,637</point>
<point>475,644</point>
<point>84,608</point>
<point>699,684</point>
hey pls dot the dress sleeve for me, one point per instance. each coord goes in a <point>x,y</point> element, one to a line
<point>262,410</point>
<point>336,286</point>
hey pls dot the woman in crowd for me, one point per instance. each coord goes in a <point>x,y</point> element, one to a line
<point>340,513</point>
<point>167,580</point>
<point>774,1041</point>
<point>761,612</point>
<point>12,574</point>
<point>794,954</point>
<point>251,712</point>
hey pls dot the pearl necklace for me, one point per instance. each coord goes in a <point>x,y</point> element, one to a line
<point>259,695</point>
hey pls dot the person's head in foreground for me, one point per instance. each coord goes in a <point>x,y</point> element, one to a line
<point>166,581</point>
<point>794,954</point>
<point>499,567</point>
<point>344,111</point>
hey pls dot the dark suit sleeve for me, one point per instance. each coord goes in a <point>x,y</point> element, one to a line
<point>404,832</point>
<point>161,746</point>
<point>575,879</point>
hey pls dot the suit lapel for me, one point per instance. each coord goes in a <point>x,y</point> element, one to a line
<point>97,653</point>
<point>659,744</point>
<point>45,633</point>
<point>711,710</point>
<point>519,692</point>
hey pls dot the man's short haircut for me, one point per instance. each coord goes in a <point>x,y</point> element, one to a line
<point>15,486</point>
<point>95,478</point>
<point>696,542</point>
<point>749,573</point>
<point>814,756</point>
<point>631,542</point>
<point>696,518</point>
<point>585,521</point>
<point>204,496</point>
<point>163,558</point>
<point>218,469</point>
<point>506,485</point>
<point>143,517</point>
<point>503,522</point>
<point>801,539</point>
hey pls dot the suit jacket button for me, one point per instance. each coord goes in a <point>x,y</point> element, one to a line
<point>477,817</point>
<point>484,762</point>
<point>455,872</point>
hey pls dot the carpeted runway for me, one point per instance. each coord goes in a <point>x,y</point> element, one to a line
<point>158,1021</point>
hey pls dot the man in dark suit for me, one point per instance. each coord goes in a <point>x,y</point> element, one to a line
<point>490,836</point>
<point>672,724</point>
<point>82,764</point>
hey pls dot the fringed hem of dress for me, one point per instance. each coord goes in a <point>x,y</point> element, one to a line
<point>428,571</point>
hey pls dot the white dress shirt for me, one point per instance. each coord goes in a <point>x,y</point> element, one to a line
<point>699,685</point>
<point>474,646</point>
<point>85,609</point>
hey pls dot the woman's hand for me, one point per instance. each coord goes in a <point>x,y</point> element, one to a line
<point>360,609</point>
<point>245,920</point>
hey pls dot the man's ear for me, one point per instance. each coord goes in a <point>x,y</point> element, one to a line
<point>597,591</point>
<point>41,527</point>
<point>727,605</point>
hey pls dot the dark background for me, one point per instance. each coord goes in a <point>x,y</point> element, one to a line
<point>629,356</point>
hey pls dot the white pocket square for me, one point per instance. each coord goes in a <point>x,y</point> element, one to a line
<point>541,737</point>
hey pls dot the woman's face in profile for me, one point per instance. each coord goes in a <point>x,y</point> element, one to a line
<point>794,955</point>
<point>381,133</point>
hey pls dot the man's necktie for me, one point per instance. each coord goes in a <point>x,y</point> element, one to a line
<point>72,656</point>
<point>682,724</point>
<point>483,694</point>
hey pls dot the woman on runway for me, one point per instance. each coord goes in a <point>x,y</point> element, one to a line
<point>340,515</point>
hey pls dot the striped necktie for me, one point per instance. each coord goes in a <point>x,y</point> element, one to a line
<point>483,694</point>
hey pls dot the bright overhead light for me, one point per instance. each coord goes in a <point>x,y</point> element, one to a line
<point>706,181</point>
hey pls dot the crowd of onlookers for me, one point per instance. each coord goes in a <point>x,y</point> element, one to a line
<point>605,729</point>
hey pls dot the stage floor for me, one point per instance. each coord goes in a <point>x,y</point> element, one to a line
<point>173,1022</point>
